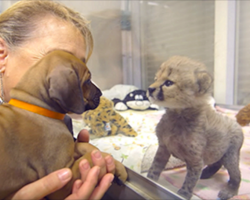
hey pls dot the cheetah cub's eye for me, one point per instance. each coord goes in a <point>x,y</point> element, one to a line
<point>168,83</point>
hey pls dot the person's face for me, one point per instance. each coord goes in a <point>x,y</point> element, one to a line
<point>52,34</point>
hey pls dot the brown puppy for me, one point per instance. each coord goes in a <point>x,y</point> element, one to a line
<point>191,129</point>
<point>33,145</point>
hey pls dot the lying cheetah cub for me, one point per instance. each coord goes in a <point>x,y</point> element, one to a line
<point>191,130</point>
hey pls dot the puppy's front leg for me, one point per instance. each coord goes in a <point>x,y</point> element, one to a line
<point>81,148</point>
<point>67,189</point>
<point>193,175</point>
<point>160,160</point>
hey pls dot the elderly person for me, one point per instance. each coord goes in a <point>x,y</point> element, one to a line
<point>29,30</point>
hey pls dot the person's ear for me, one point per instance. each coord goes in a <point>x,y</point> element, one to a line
<point>3,54</point>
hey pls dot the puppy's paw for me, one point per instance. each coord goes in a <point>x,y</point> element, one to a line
<point>227,193</point>
<point>184,193</point>
<point>120,171</point>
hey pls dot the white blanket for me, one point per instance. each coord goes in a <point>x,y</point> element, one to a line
<point>136,153</point>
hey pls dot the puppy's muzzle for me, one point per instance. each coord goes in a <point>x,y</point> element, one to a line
<point>93,97</point>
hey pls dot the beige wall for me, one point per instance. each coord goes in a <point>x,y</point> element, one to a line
<point>106,60</point>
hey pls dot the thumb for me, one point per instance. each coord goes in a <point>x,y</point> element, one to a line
<point>44,186</point>
<point>83,136</point>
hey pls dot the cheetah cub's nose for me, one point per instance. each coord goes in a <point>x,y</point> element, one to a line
<point>150,91</point>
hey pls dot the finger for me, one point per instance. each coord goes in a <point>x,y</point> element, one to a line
<point>45,185</point>
<point>83,136</point>
<point>110,164</point>
<point>98,160</point>
<point>84,169</point>
<point>88,186</point>
<point>103,186</point>
<point>76,186</point>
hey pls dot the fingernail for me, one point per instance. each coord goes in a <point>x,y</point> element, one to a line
<point>64,175</point>
<point>111,178</point>
<point>97,154</point>
<point>85,164</point>
<point>109,160</point>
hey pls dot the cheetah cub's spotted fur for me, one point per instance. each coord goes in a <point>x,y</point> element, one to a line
<point>191,130</point>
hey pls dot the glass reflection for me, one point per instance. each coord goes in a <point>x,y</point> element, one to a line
<point>131,40</point>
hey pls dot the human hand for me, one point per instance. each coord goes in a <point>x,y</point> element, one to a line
<point>103,160</point>
<point>44,186</point>
<point>83,136</point>
<point>87,187</point>
<point>103,170</point>
<point>84,188</point>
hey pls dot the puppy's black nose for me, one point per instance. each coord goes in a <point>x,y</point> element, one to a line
<point>150,91</point>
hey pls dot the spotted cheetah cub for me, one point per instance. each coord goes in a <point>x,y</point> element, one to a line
<point>191,130</point>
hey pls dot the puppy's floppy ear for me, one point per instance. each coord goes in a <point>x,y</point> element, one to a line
<point>204,81</point>
<point>65,89</point>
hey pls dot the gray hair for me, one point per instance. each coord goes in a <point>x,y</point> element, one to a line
<point>19,21</point>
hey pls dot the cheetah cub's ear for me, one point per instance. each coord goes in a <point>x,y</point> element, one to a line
<point>204,82</point>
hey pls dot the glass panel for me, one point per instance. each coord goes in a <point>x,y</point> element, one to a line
<point>176,28</point>
<point>105,22</point>
<point>131,40</point>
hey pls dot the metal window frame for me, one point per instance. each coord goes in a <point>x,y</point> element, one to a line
<point>140,188</point>
<point>131,43</point>
<point>224,52</point>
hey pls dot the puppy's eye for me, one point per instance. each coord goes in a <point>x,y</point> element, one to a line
<point>168,83</point>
